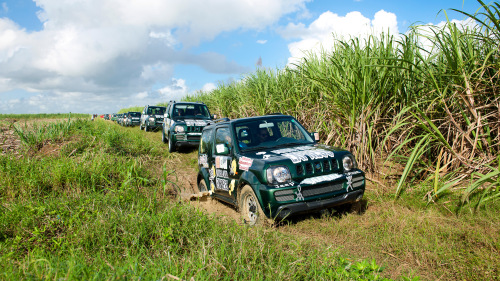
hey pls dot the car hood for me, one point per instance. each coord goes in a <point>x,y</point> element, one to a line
<point>192,122</point>
<point>295,154</point>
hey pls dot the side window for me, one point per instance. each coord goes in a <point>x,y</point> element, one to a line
<point>223,136</point>
<point>244,136</point>
<point>168,109</point>
<point>206,142</point>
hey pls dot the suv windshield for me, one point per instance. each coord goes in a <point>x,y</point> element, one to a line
<point>134,114</point>
<point>198,111</point>
<point>272,132</point>
<point>156,110</point>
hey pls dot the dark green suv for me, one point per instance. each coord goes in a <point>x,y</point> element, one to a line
<point>151,117</point>
<point>271,167</point>
<point>183,124</point>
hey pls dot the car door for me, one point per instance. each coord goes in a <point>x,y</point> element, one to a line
<point>167,117</point>
<point>221,164</point>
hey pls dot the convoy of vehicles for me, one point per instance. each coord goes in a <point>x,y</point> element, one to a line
<point>269,167</point>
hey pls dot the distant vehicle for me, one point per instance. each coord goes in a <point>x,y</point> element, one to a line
<point>106,116</point>
<point>132,118</point>
<point>119,119</point>
<point>152,117</point>
<point>183,124</point>
<point>113,117</point>
<point>272,167</point>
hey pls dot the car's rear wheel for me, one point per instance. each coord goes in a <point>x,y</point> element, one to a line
<point>250,209</point>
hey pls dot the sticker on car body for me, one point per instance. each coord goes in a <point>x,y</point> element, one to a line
<point>245,163</point>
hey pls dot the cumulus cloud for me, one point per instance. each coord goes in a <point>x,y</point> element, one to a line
<point>261,42</point>
<point>322,32</point>
<point>208,87</point>
<point>117,48</point>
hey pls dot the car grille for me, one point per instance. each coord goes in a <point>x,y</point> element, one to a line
<point>357,181</point>
<point>318,167</point>
<point>194,138</point>
<point>309,191</point>
<point>284,195</point>
<point>321,189</point>
<point>191,129</point>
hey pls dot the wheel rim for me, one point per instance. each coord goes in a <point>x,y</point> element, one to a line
<point>250,204</point>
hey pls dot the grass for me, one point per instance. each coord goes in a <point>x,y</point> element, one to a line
<point>101,203</point>
<point>44,116</point>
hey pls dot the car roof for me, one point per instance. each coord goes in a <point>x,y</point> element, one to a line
<point>188,102</point>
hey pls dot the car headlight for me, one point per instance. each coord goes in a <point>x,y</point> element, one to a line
<point>348,162</point>
<point>278,174</point>
<point>179,129</point>
<point>151,119</point>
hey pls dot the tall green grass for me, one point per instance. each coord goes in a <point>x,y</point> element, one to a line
<point>431,109</point>
<point>45,116</point>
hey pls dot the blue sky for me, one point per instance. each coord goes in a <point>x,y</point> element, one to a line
<point>98,56</point>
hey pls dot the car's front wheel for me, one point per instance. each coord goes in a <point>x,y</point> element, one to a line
<point>163,137</point>
<point>202,187</point>
<point>250,209</point>
<point>171,146</point>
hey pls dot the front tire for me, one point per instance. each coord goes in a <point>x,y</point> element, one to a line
<point>163,137</point>
<point>171,146</point>
<point>202,187</point>
<point>250,209</point>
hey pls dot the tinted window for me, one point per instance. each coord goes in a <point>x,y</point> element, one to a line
<point>156,110</point>
<point>206,142</point>
<point>271,132</point>
<point>191,111</point>
<point>222,135</point>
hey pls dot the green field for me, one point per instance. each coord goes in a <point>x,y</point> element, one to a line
<point>94,200</point>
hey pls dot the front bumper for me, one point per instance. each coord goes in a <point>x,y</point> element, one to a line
<point>312,194</point>
<point>306,207</point>
<point>189,139</point>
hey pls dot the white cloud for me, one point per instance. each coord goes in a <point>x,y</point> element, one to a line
<point>5,8</point>
<point>208,87</point>
<point>117,48</point>
<point>322,32</point>
<point>175,91</point>
<point>261,42</point>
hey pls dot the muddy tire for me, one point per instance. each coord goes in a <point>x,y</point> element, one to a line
<point>250,210</point>
<point>202,187</point>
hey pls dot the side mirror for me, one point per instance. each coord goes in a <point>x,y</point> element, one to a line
<point>315,136</point>
<point>167,115</point>
<point>222,149</point>
<point>214,116</point>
